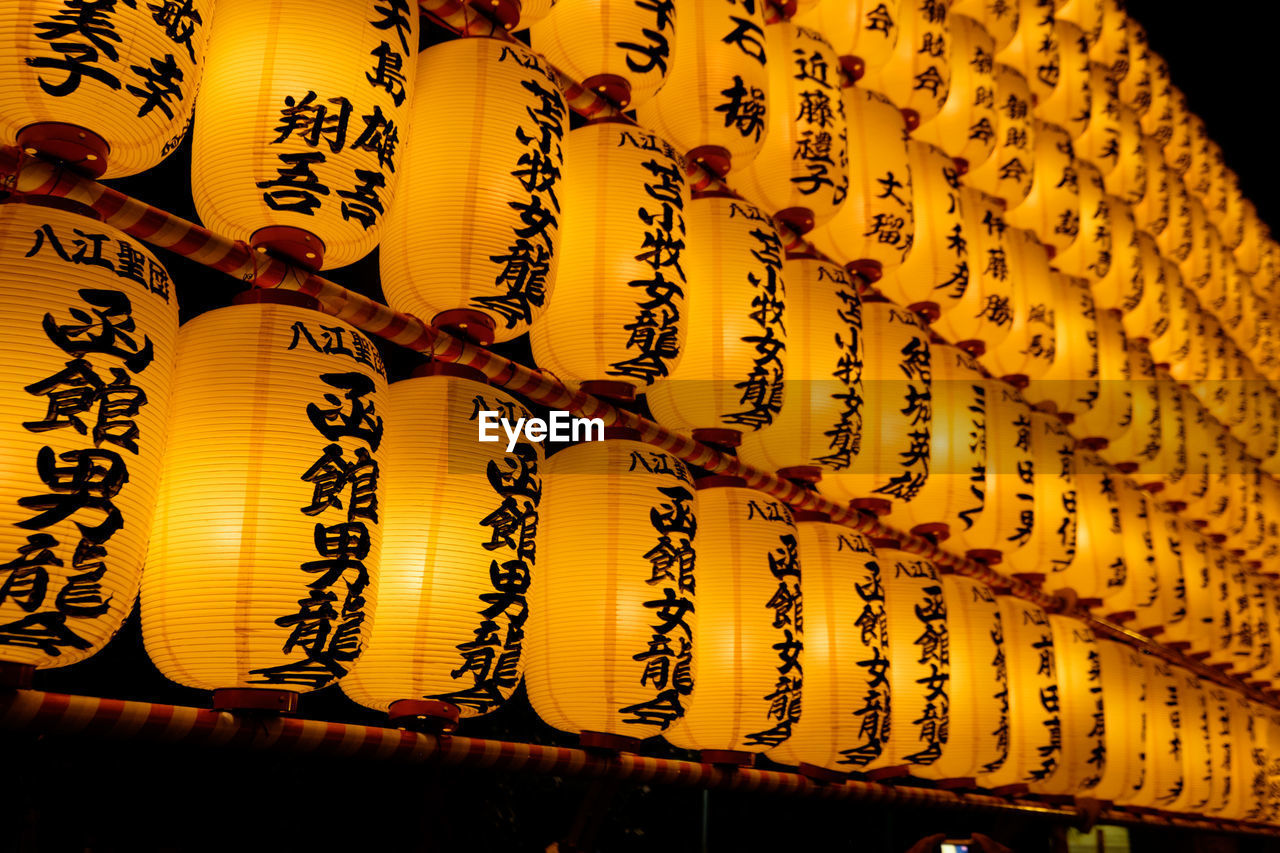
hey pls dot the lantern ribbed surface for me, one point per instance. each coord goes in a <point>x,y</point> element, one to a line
<point>1148,318</point>
<point>1112,46</point>
<point>1008,173</point>
<point>263,568</point>
<point>1033,50</point>
<point>1151,212</point>
<point>1083,715</point>
<point>494,205</point>
<point>965,127</point>
<point>458,551</point>
<point>89,335</point>
<point>1140,444</point>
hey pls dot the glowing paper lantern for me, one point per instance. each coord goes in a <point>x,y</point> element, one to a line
<point>1177,151</point>
<point>1162,743</point>
<point>1084,14</point>
<point>1083,718</point>
<point>1166,534</point>
<point>1052,208</point>
<point>487,264</point>
<point>622,49</point>
<point>1089,256</point>
<point>263,568</point>
<point>1008,172</point>
<point>1029,348</point>
<point>1069,103</point>
<point>1175,344</point>
<point>862,32</point>
<point>107,87</point>
<point>1000,19</point>
<point>1176,239</point>
<point>965,127</point>
<point>308,149</point>
<point>1112,46</point>
<point>1249,252</point>
<point>611,642</point>
<point>730,378</point>
<point>1148,318</point>
<point>1033,50</point>
<point>819,426</point>
<point>1138,449</point>
<point>458,552</point>
<point>845,724</point>
<point>802,172</point>
<point>1195,735</point>
<point>90,326</point>
<point>917,75</point>
<point>1136,86</point>
<point>1114,131</point>
<point>1099,560</point>
<point>873,230</point>
<point>1071,384</point>
<point>619,317</point>
<point>1111,414</point>
<point>715,101</point>
<point>747,672</point>
<point>1052,545</point>
<point>980,312</point>
<point>1124,707</point>
<point>1151,212</point>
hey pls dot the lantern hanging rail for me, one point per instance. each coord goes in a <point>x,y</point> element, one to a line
<point>58,714</point>
<point>27,177</point>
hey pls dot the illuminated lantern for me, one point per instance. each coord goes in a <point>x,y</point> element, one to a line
<point>1035,722</point>
<point>1177,151</point>
<point>747,671</point>
<point>965,127</point>
<point>1164,776</point>
<point>893,460</point>
<point>1151,212</point>
<point>1157,120</point>
<point>1198,266</point>
<point>1176,239</point>
<point>1253,760</point>
<point>1083,716</point>
<point>1175,344</point>
<point>1136,86</point>
<point>729,380</point>
<point>297,156</point>
<point>917,75</point>
<point>457,552</point>
<point>1068,104</point>
<point>1228,585</point>
<point>1112,46</point>
<point>106,87</point>
<point>595,663</point>
<point>1084,14</point>
<point>1033,50</point>
<point>1249,252</point>
<point>715,101</point>
<point>1138,448</point>
<point>862,32</point>
<point>1071,384</point>
<point>1052,208</point>
<point>1203,581</point>
<point>873,230</point>
<point>1090,255</point>
<point>1199,174</point>
<point>1127,178</point>
<point>1099,564</point>
<point>936,273</point>
<point>1007,174</point>
<point>819,426</point>
<point>1052,545</point>
<point>1141,592</point>
<point>1148,318</point>
<point>1232,723</point>
<point>1124,707</point>
<point>1166,535</point>
<point>802,171</point>
<point>1030,347</point>
<point>1169,468</point>
<point>487,264</point>
<point>1111,414</point>
<point>1195,736</point>
<point>1000,19</point>
<point>263,567</point>
<point>90,328</point>
<point>622,49</point>
<point>619,316</point>
<point>982,310</point>
<point>845,724</point>
<point>1231,219</point>
<point>953,492</point>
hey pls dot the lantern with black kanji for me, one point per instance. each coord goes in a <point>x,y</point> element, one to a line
<point>1082,715</point>
<point>862,32</point>
<point>965,127</point>
<point>917,76</point>
<point>1052,208</point>
<point>1124,707</point>
<point>1007,174</point>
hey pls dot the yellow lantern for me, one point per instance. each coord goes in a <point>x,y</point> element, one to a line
<point>893,460</point>
<point>1052,546</point>
<point>1127,177</point>
<point>917,75</point>
<point>1141,594</point>
<point>1148,318</point>
<point>819,426</point>
<point>1176,239</point>
<point>1249,251</point>
<point>1175,344</point>
<point>263,567</point>
<point>1030,347</point>
<point>1069,102</point>
<point>1084,14</point>
<point>1199,174</point>
<point>106,87</point>
<point>1052,208</point>
<point>1168,469</point>
<point>1136,86</point>
<point>1195,736</point>
<point>622,49</point>
<point>1167,538</point>
<point>845,724</point>
<point>862,32</point>
<point>1083,716</point>
<point>1177,151</point>
<point>458,552</point>
<point>1007,174</point>
<point>965,127</point>
<point>1198,266</point>
<point>1035,699</point>
<point>801,173</point>
<point>1033,50</point>
<point>1090,255</point>
<point>1200,574</point>
<point>487,264</point>
<point>1151,212</point>
<point>730,378</point>
<point>1254,760</point>
<point>873,230</point>
<point>90,325</point>
<point>1138,448</point>
<point>936,273</point>
<point>1124,707</point>
<point>610,641</point>
<point>1163,743</point>
<point>714,103</point>
<point>619,317</point>
<point>1099,563</point>
<point>306,149</point>
<point>1071,385</point>
<point>1000,19</point>
<point>1233,745</point>
<point>1112,46</point>
<point>980,313</point>
<point>1111,414</point>
<point>747,672</point>
<point>1157,119</point>
<point>1231,218</point>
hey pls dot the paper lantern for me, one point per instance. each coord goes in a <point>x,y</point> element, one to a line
<point>459,525</point>
<point>1174,345</point>
<point>1030,347</point>
<point>953,493</point>
<point>1176,239</point>
<point>1196,741</point>
<point>1111,414</point>
<point>730,378</point>
<point>965,127</point>
<point>1001,19</point>
<point>622,49</point>
<point>1099,563</point>
<point>1232,728</point>
<point>1052,545</point>
<point>1112,46</point>
<point>1084,14</point>
<point>1228,587</point>
<point>1199,174</point>
<point>1033,50</point>
<point>1007,174</point>
<point>487,264</point>
<point>620,315</point>
<point>1124,706</point>
<point>1151,212</point>
<point>1071,385</point>
<point>90,324</point>
<point>892,463</point>
<point>1136,86</point>
<point>1231,216</point>
<point>862,32</point>
<point>1090,255</point>
<point>874,229</point>
<point>1069,103</point>
<point>1162,743</point>
<point>263,567</point>
<point>1114,132</point>
<point>1167,539</point>
<point>1083,718</point>
<point>1199,572</point>
<point>819,426</point>
<point>1198,266</point>
<point>1248,253</point>
<point>845,724</point>
<point>1141,592</point>
<point>747,672</point>
<point>1148,319</point>
<point>715,101</point>
<point>917,76</point>
<point>801,173</point>
<point>307,149</point>
<point>1052,208</point>
<point>1035,699</point>
<point>611,641</point>
<point>107,87</point>
<point>1138,449</point>
<point>1254,761</point>
<point>936,273</point>
<point>1177,151</point>
<point>982,312</point>
<point>1168,470</point>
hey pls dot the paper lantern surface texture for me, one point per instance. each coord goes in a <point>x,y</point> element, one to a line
<point>263,569</point>
<point>88,340</point>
